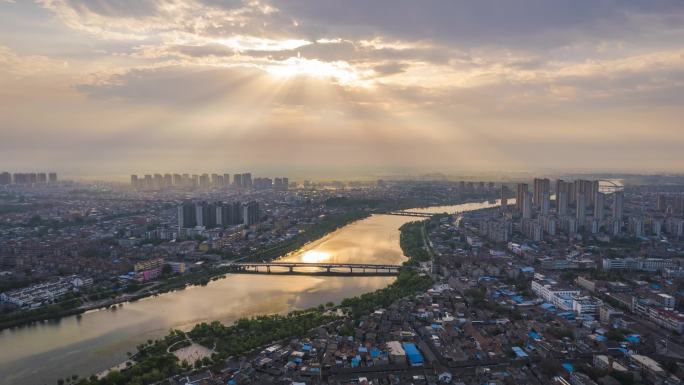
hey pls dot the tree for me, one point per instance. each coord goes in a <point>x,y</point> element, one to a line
<point>550,366</point>
<point>167,269</point>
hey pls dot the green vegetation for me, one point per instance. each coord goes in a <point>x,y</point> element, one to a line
<point>153,363</point>
<point>560,332</point>
<point>199,276</point>
<point>618,334</point>
<point>475,296</point>
<point>412,241</point>
<point>408,283</point>
<point>247,334</point>
<point>346,202</point>
<point>67,306</point>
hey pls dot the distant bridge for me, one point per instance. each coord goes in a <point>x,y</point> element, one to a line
<point>302,268</point>
<point>409,214</point>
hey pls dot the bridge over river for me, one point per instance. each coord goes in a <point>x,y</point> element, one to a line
<point>303,268</point>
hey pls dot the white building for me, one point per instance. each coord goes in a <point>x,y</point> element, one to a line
<point>560,298</point>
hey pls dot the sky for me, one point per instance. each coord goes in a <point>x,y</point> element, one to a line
<point>330,88</point>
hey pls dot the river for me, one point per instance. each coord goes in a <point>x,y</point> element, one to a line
<point>41,353</point>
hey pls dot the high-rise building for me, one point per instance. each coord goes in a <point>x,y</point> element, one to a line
<point>250,213</point>
<point>187,216</point>
<point>247,180</point>
<point>595,188</point>
<point>599,203</point>
<point>678,205</point>
<point>661,202</point>
<point>168,180</point>
<point>562,200</point>
<point>147,181</point>
<point>581,209</point>
<point>206,216</point>
<point>158,181</point>
<point>177,180</point>
<point>504,196</point>
<point>560,186</point>
<point>134,181</point>
<point>21,178</point>
<point>52,177</point>
<point>618,203</point>
<point>541,186</point>
<point>41,177</point>
<point>546,203</point>
<point>527,205</point>
<point>237,180</point>
<point>204,181</point>
<point>5,178</point>
<point>636,226</point>
<point>520,196</point>
<point>588,188</point>
<point>572,192</point>
<point>226,180</point>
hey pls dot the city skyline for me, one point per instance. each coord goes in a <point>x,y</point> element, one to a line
<point>97,88</point>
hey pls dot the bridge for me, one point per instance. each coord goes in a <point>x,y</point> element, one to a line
<point>303,268</point>
<point>409,214</point>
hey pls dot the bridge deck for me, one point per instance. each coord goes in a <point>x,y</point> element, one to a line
<point>326,265</point>
<point>289,268</point>
<point>410,214</point>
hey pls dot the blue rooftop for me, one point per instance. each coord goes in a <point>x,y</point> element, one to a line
<point>413,354</point>
<point>519,352</point>
<point>633,338</point>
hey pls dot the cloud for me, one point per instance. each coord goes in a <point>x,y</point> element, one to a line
<point>395,83</point>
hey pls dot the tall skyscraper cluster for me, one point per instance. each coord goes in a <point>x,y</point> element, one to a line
<point>476,187</point>
<point>280,184</point>
<point>243,180</point>
<point>27,178</point>
<point>207,181</point>
<point>157,181</point>
<point>217,214</point>
<point>670,203</point>
<point>589,204</point>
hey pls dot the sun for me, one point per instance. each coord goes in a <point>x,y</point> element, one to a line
<point>315,256</point>
<point>339,71</point>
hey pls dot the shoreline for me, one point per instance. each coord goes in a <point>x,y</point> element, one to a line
<point>344,303</point>
<point>181,286</point>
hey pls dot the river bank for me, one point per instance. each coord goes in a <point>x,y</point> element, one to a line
<point>154,364</point>
<point>196,278</point>
<point>99,339</point>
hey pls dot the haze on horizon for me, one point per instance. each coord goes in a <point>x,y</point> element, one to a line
<point>112,87</point>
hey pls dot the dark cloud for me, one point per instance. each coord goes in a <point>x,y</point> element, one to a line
<point>527,23</point>
<point>115,8</point>
<point>390,69</point>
